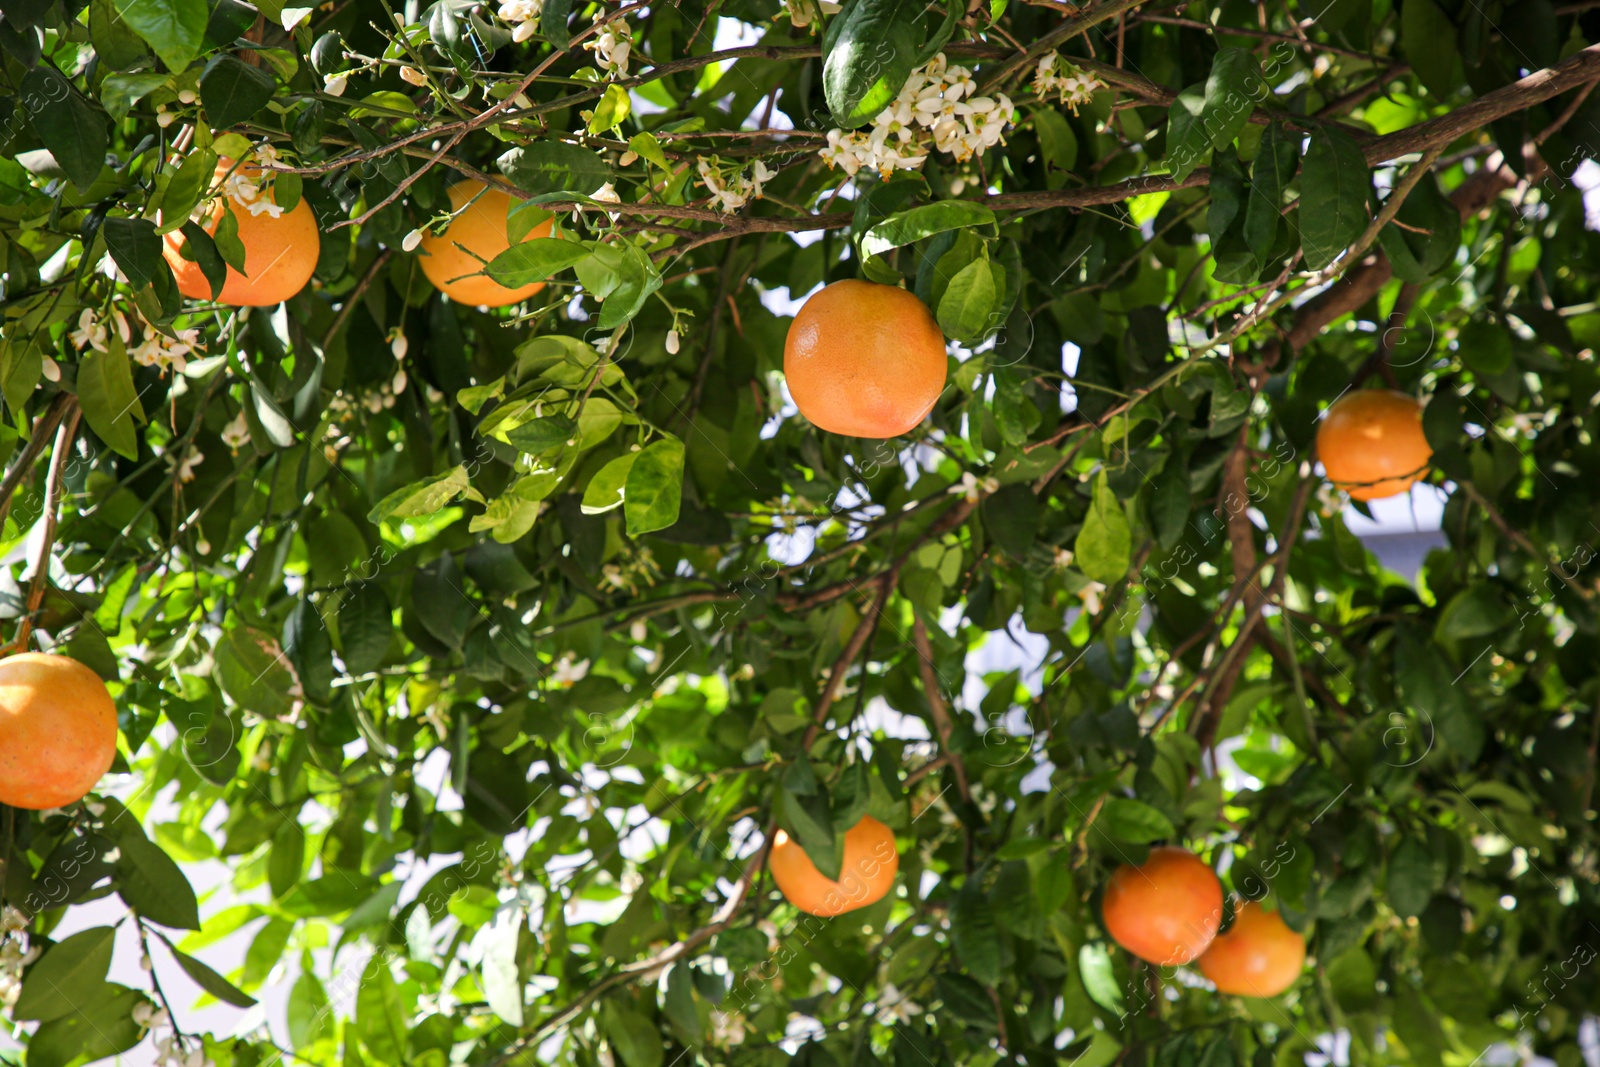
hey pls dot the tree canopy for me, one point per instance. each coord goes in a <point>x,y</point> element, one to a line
<point>566,607</point>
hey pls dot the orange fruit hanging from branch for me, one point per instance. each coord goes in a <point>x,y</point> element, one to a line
<point>1165,910</point>
<point>453,261</point>
<point>864,360</point>
<point>1372,445</point>
<point>865,875</point>
<point>1259,956</point>
<point>280,247</point>
<point>58,731</point>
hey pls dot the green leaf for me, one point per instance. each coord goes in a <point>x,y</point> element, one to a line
<point>366,625</point>
<point>1169,504</point>
<point>554,166</point>
<point>176,29</point>
<point>68,978</point>
<point>502,984</point>
<point>380,1013</point>
<point>226,237</point>
<point>187,185</point>
<point>1274,167</point>
<point>136,248</point>
<point>1431,236</point>
<point>1058,143</point>
<point>210,980</point>
<point>678,1003</point>
<point>72,128</point>
<point>1104,546</point>
<point>606,488</point>
<point>545,432</point>
<point>116,46</point>
<point>1477,611</point>
<point>119,92</point>
<point>104,1029</point>
<point>1335,188</point>
<point>1428,39</point>
<point>1485,347</point>
<point>966,1000</point>
<point>233,91</point>
<point>966,311</point>
<point>1187,140</point>
<point>1134,821</point>
<point>535,261</point>
<point>634,1038</point>
<point>623,277</point>
<point>553,23</point>
<point>869,50</point>
<point>286,862</point>
<point>253,670</point>
<point>1413,876</point>
<point>153,885</point>
<point>973,933</point>
<point>1234,86</point>
<point>309,1017</point>
<point>910,226</point>
<point>110,403</point>
<point>654,487</point>
<point>612,111</point>
<point>421,498</point>
<point>1099,977</point>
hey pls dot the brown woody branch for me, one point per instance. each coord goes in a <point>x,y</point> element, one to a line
<point>942,724</point>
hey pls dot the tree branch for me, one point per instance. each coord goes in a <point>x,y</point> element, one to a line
<point>936,705</point>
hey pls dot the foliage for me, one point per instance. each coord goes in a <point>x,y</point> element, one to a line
<point>564,605</point>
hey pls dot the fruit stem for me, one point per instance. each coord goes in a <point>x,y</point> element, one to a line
<point>41,433</point>
<point>65,435</point>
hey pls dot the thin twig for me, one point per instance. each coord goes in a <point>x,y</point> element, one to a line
<point>42,429</point>
<point>65,435</point>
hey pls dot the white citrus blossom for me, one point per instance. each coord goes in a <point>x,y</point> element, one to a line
<point>1073,85</point>
<point>612,48</point>
<point>522,16</point>
<point>12,961</point>
<point>566,672</point>
<point>335,84</point>
<point>413,76</point>
<point>183,469</point>
<point>93,332</point>
<point>805,12</point>
<point>167,353</point>
<point>938,102</point>
<point>972,487</point>
<point>730,189</point>
<point>236,434</point>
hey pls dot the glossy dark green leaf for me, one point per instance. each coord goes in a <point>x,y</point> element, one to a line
<point>152,884</point>
<point>1335,189</point>
<point>72,128</point>
<point>233,91</point>
<point>69,978</point>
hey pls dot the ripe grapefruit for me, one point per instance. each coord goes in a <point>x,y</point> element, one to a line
<point>864,360</point>
<point>58,730</point>
<point>1166,910</point>
<point>1259,956</point>
<point>454,261</point>
<point>280,251</point>
<point>867,873</point>
<point>1371,443</point>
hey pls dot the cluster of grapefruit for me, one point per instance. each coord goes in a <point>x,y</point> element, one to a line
<point>861,359</point>
<point>281,247</point>
<point>1167,910</point>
